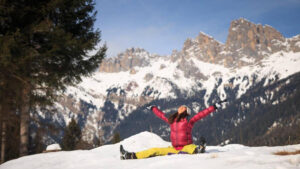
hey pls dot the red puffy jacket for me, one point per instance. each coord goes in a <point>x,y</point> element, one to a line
<point>181,132</point>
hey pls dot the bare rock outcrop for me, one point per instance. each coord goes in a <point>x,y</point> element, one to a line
<point>125,61</point>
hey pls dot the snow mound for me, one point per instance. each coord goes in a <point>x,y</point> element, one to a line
<point>231,156</point>
<point>53,147</point>
<point>144,140</point>
<point>138,142</point>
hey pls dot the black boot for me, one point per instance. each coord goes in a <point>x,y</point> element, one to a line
<point>126,155</point>
<point>202,144</point>
<point>201,147</point>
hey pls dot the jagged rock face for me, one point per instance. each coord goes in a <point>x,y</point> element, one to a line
<point>125,61</point>
<point>255,40</point>
<point>204,48</point>
<point>294,43</point>
<point>190,69</point>
<point>176,54</point>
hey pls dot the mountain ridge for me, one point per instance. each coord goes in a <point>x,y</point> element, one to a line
<point>124,85</point>
<point>244,39</point>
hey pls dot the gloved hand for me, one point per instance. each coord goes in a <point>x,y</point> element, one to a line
<point>150,107</point>
<point>219,104</point>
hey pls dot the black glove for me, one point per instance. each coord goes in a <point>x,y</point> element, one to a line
<point>222,101</point>
<point>219,104</point>
<point>150,107</point>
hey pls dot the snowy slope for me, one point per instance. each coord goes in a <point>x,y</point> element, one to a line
<point>281,63</point>
<point>107,157</point>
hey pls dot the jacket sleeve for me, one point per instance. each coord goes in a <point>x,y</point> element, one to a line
<point>159,114</point>
<point>201,115</point>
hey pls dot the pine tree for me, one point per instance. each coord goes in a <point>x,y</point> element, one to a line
<point>72,136</point>
<point>8,121</point>
<point>116,138</point>
<point>44,47</point>
<point>38,146</point>
<point>3,141</point>
<point>97,141</point>
<point>12,137</point>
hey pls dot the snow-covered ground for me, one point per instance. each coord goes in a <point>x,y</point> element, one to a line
<point>232,156</point>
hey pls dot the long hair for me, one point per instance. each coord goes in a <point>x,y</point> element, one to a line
<point>177,117</point>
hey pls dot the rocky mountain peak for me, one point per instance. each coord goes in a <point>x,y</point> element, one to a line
<point>203,38</point>
<point>252,38</point>
<point>203,47</point>
<point>188,44</point>
<point>203,41</point>
<point>294,43</point>
<point>126,61</point>
<point>247,43</point>
<point>134,52</point>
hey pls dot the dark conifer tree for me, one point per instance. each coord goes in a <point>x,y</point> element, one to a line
<point>72,136</point>
<point>37,142</point>
<point>116,138</point>
<point>97,141</point>
<point>44,47</point>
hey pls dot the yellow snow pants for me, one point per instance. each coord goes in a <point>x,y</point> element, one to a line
<point>152,152</point>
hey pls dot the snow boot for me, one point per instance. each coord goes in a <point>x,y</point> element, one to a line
<point>125,155</point>
<point>202,146</point>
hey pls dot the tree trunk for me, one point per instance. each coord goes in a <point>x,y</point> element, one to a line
<point>24,121</point>
<point>3,135</point>
<point>3,142</point>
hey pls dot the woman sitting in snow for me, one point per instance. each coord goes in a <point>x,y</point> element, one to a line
<point>181,134</point>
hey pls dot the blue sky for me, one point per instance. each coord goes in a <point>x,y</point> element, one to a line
<point>160,26</point>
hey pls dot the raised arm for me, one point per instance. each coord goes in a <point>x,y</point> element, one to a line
<point>202,114</point>
<point>159,114</point>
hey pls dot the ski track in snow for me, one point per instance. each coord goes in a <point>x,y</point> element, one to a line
<point>232,156</point>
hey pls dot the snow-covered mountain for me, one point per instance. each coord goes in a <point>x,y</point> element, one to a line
<point>230,156</point>
<point>203,72</point>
